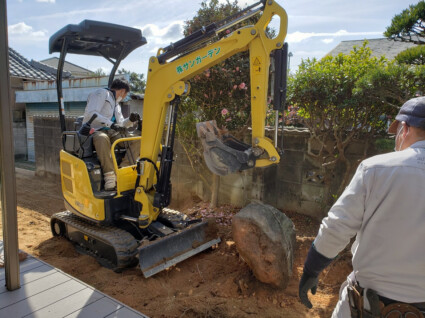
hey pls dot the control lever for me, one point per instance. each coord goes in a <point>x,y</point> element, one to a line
<point>85,129</point>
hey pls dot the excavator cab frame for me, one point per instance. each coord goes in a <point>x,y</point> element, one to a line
<point>112,41</point>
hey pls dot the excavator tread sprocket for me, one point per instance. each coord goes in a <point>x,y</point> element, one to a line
<point>112,247</point>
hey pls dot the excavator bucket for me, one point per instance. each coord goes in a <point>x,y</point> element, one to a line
<point>172,249</point>
<point>223,153</point>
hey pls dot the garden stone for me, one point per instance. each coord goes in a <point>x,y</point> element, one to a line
<point>265,239</point>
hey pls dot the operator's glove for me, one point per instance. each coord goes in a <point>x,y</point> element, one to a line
<point>118,128</point>
<point>307,283</point>
<point>313,266</point>
<point>134,117</point>
<point>85,129</point>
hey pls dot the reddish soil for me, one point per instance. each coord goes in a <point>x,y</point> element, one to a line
<point>215,283</point>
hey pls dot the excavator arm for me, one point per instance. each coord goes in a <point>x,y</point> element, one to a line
<point>167,80</point>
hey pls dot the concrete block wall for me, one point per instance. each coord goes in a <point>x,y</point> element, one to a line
<point>300,181</point>
<point>191,181</point>
<point>48,144</point>
<point>20,139</point>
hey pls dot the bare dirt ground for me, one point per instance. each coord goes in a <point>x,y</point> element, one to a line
<point>215,283</point>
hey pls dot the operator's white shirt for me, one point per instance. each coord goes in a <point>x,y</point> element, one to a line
<point>102,102</point>
<point>384,205</point>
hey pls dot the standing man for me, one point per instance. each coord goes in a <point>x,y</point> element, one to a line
<point>384,207</point>
<point>111,125</point>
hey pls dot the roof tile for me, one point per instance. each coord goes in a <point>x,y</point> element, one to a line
<point>19,66</point>
<point>379,47</point>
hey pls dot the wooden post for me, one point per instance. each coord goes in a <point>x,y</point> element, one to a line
<point>7,163</point>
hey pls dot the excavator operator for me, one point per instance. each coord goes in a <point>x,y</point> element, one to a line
<point>110,125</point>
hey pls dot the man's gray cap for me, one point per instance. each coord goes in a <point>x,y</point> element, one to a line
<point>412,112</point>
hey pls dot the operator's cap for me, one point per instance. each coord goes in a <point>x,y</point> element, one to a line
<point>412,112</point>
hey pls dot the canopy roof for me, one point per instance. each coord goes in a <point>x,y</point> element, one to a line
<point>97,38</point>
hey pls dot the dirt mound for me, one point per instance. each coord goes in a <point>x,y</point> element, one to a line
<point>215,283</point>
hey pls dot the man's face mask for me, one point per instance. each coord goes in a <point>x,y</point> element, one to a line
<point>121,96</point>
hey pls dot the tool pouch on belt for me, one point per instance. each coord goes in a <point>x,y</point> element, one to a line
<point>355,300</point>
<point>396,310</point>
<point>377,308</point>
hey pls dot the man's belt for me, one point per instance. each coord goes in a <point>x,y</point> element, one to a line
<point>380,307</point>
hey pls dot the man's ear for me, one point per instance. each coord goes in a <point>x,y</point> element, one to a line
<point>406,129</point>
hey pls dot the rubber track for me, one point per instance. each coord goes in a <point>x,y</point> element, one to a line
<point>124,244</point>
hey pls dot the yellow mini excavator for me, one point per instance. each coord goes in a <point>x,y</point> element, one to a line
<point>133,223</point>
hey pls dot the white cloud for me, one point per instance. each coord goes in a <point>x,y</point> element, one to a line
<point>19,28</point>
<point>161,37</point>
<point>172,31</point>
<point>104,69</point>
<point>297,37</point>
<point>22,29</point>
<point>327,41</point>
<point>303,53</point>
<point>48,1</point>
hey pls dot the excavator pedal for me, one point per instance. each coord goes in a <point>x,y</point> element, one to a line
<point>223,153</point>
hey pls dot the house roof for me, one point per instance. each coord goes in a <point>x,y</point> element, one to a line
<point>75,70</point>
<point>20,67</point>
<point>379,47</point>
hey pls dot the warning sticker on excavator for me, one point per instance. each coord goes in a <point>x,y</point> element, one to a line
<point>256,65</point>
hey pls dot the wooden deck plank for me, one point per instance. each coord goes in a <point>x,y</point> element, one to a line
<point>32,288</point>
<point>41,300</point>
<point>125,312</point>
<point>29,264</point>
<point>99,308</point>
<point>48,292</point>
<point>68,305</point>
<point>34,274</point>
<point>25,266</point>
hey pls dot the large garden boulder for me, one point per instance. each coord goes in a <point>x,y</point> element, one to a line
<point>265,239</point>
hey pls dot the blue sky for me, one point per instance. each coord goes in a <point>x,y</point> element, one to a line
<point>314,27</point>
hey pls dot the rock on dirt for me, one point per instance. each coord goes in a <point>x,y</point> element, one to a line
<point>265,238</point>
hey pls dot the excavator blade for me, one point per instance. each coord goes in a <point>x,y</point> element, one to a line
<point>165,252</point>
<point>223,153</point>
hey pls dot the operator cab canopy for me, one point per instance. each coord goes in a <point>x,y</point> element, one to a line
<point>112,41</point>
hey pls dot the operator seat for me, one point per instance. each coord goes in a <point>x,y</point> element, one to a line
<point>77,144</point>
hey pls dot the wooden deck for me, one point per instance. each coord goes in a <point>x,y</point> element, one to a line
<point>48,292</point>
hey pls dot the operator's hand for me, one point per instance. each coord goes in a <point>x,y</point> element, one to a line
<point>307,282</point>
<point>118,128</point>
<point>134,117</point>
<point>85,130</point>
